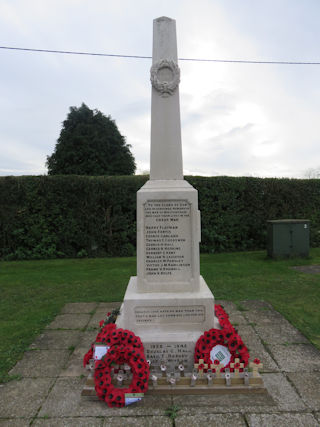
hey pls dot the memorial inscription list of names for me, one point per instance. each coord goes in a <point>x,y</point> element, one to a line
<point>167,240</point>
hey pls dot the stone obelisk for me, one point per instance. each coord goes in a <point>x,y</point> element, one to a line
<point>166,152</point>
<point>168,304</point>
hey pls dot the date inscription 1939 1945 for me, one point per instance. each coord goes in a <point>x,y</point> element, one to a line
<point>167,239</point>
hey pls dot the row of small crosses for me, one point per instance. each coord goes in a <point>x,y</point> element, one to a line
<point>236,366</point>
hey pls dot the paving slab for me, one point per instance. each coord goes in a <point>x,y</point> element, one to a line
<point>262,313</point>
<point>284,395</point>
<point>65,400</point>
<point>70,321</point>
<point>79,307</point>
<point>95,319</point>
<point>223,403</point>
<point>212,420</point>
<point>309,269</point>
<point>264,316</point>
<point>23,398</point>
<point>74,367</point>
<point>237,318</point>
<point>258,351</point>
<point>56,340</point>
<point>281,420</point>
<point>280,334</point>
<point>68,422</point>
<point>228,306</point>
<point>15,422</point>
<point>308,386</point>
<point>41,363</point>
<point>256,348</point>
<point>87,338</point>
<point>248,334</point>
<point>105,307</point>
<point>256,305</point>
<point>296,357</point>
<point>137,422</point>
<point>281,396</point>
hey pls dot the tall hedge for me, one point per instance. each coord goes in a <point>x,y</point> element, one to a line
<point>70,216</point>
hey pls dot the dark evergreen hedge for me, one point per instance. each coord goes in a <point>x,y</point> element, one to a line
<point>69,216</point>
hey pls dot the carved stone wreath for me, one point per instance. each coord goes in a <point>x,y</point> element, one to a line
<point>165,77</point>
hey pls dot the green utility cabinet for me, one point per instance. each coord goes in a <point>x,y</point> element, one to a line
<point>288,238</point>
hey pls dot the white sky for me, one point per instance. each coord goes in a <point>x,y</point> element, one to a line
<point>237,119</point>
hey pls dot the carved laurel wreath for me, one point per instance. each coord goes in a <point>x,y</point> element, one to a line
<point>165,88</point>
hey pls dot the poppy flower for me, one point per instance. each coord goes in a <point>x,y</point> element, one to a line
<point>121,354</point>
<point>226,336</point>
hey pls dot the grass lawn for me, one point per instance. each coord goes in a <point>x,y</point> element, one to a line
<point>33,292</point>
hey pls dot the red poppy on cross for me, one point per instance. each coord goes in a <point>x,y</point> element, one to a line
<point>216,367</point>
<point>201,366</point>
<point>236,366</point>
<point>256,365</point>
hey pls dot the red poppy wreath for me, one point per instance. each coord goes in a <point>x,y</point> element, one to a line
<point>221,345</point>
<point>123,347</point>
<point>113,396</point>
<point>110,335</point>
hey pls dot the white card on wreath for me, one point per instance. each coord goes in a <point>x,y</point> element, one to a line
<point>99,351</point>
<point>221,353</point>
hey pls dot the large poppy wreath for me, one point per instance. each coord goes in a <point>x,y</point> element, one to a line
<point>113,396</point>
<point>226,337</point>
<point>124,347</point>
<point>111,335</point>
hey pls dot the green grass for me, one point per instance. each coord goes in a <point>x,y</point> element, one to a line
<point>33,292</point>
<point>250,275</point>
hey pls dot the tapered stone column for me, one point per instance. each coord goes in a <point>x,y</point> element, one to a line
<point>166,152</point>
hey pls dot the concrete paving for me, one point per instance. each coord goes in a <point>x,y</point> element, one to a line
<point>52,378</point>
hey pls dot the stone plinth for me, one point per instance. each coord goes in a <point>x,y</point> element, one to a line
<point>168,304</point>
<point>167,312</point>
<point>168,323</point>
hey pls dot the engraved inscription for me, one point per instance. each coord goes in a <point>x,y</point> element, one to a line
<point>167,314</point>
<point>171,353</point>
<point>167,240</point>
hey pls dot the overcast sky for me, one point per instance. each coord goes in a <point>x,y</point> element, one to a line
<point>237,119</point>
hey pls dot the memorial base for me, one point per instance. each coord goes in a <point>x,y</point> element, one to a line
<point>183,386</point>
<point>169,324</point>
